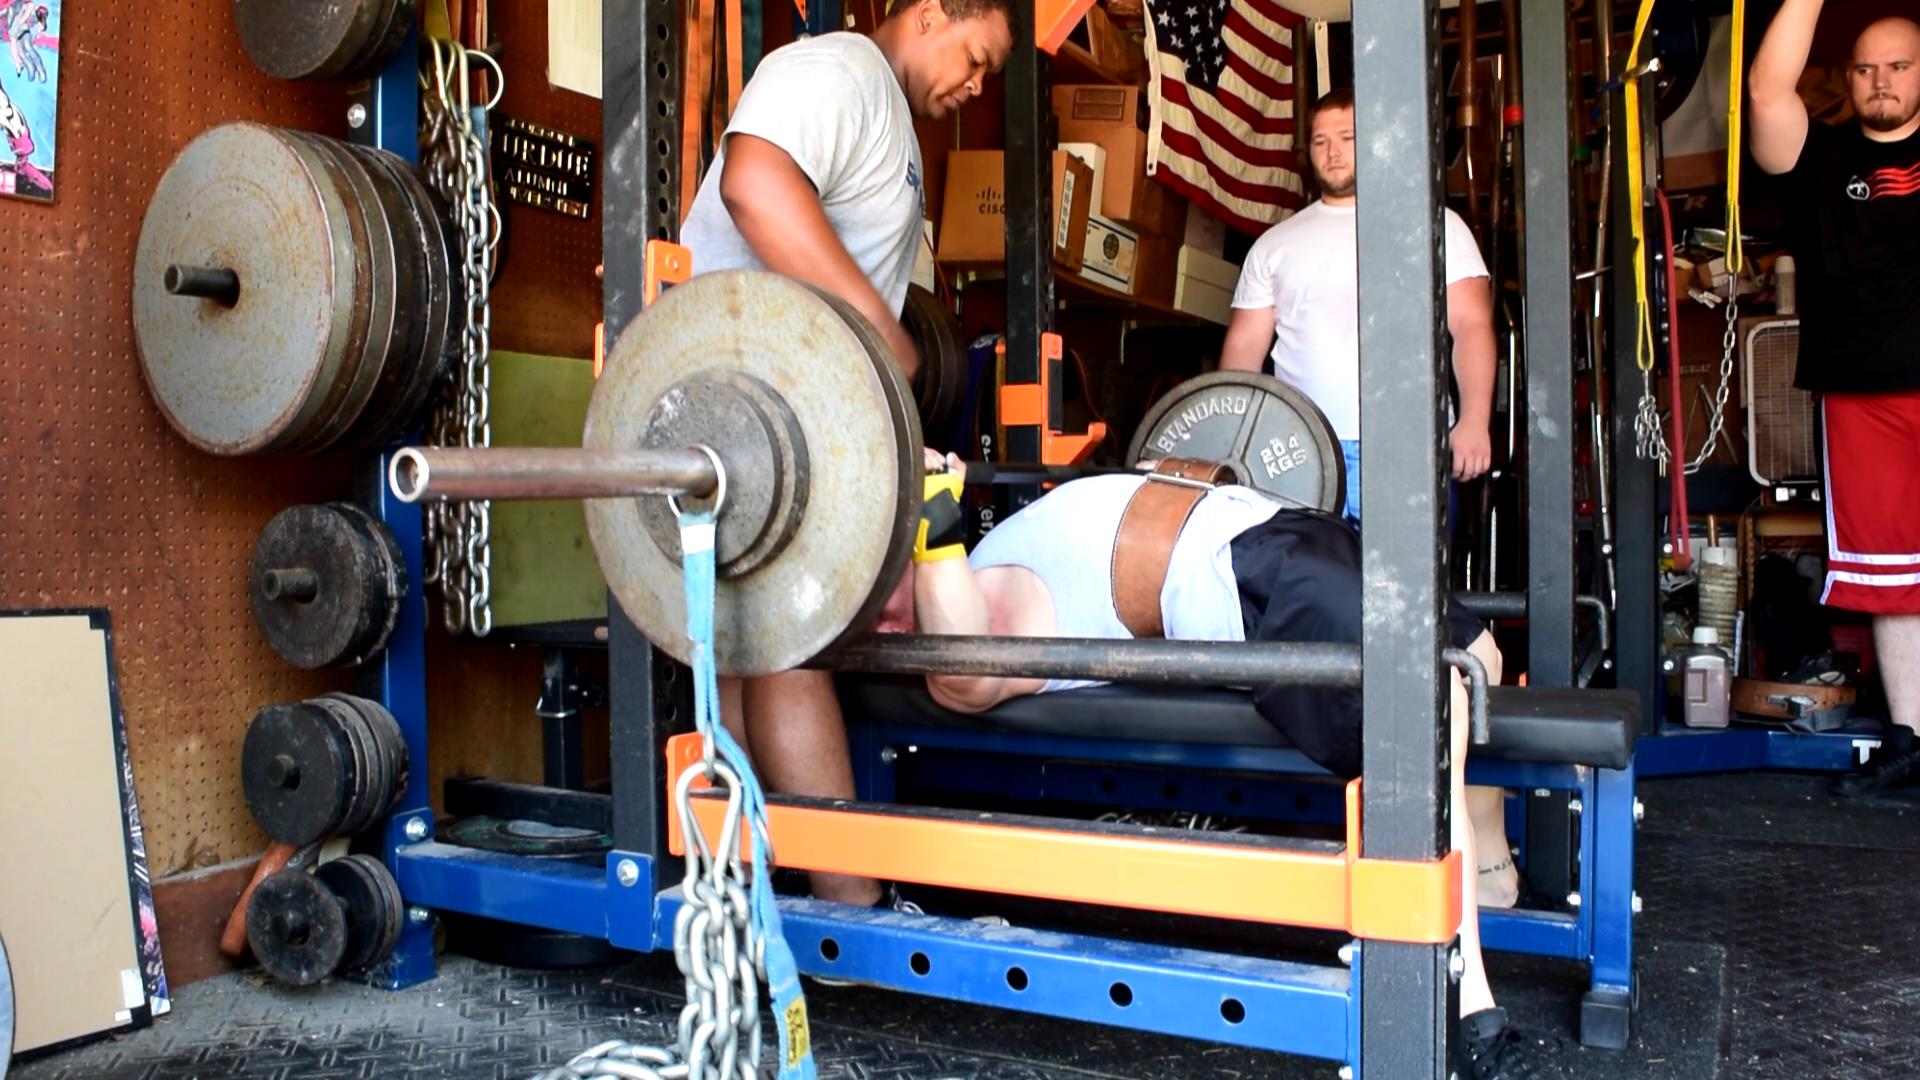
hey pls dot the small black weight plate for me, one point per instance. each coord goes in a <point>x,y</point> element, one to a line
<point>943,360</point>
<point>298,772</point>
<point>1272,435</point>
<point>510,944</point>
<point>536,839</point>
<point>388,749</point>
<point>296,927</point>
<point>381,541</point>
<point>370,900</point>
<point>320,587</point>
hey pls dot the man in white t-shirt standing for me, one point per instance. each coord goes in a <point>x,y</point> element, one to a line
<point>818,177</point>
<point>1297,302</point>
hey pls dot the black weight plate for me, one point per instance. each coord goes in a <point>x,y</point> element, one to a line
<point>302,39</point>
<point>1272,435</point>
<point>445,308</point>
<point>389,746</point>
<point>535,839</point>
<point>370,900</point>
<point>366,768</point>
<point>383,420</point>
<point>296,928</point>
<point>943,360</point>
<point>352,606</point>
<point>297,771</point>
<point>530,947</point>
<point>393,580</point>
<point>385,42</point>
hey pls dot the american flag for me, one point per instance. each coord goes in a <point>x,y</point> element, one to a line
<point>1221,93</point>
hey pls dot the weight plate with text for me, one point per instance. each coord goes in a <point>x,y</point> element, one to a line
<point>1274,437</point>
<point>863,484</point>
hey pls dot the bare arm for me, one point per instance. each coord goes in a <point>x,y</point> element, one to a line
<point>1470,320</point>
<point>1249,337</point>
<point>777,210</point>
<point>947,599</point>
<point>1779,117</point>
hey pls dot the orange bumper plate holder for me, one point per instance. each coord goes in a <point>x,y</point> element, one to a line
<point>1417,902</point>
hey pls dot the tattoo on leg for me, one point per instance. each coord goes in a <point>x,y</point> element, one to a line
<point>1503,864</point>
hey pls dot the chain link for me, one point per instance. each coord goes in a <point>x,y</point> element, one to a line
<point>1647,425</point>
<point>720,952</point>
<point>459,556</point>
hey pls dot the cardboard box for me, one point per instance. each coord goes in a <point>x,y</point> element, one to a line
<point>1110,254</point>
<point>1204,299</point>
<point>1111,117</point>
<point>1156,269</point>
<point>1204,232</point>
<point>1204,285</point>
<point>973,223</point>
<point>1095,157</point>
<point>1096,105</point>
<point>1211,269</point>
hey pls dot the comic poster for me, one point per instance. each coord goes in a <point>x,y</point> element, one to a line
<point>29,79</point>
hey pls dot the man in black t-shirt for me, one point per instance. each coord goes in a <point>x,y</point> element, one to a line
<point>1853,206</point>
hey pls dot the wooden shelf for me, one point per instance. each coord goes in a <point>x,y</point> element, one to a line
<point>1074,64</point>
<point>1068,286</point>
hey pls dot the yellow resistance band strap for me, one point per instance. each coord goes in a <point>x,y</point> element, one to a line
<point>1736,92</point>
<point>1636,185</point>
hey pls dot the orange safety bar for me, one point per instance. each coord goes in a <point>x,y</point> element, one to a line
<point>1377,899</point>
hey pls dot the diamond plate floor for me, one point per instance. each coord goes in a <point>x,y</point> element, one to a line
<point>1775,945</point>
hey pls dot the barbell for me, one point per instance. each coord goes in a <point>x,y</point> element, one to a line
<point>780,406</point>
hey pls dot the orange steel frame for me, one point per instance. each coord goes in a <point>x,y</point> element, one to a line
<point>1376,899</point>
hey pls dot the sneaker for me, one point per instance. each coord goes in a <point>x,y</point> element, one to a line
<point>1491,1049</point>
<point>1893,764</point>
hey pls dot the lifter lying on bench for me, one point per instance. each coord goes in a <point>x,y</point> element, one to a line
<point>1125,556</point>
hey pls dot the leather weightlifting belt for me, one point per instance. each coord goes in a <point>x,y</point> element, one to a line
<point>1149,527</point>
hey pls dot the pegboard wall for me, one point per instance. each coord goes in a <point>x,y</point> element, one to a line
<point>102,505</point>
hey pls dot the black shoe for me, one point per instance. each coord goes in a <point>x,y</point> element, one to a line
<point>1894,763</point>
<point>1491,1049</point>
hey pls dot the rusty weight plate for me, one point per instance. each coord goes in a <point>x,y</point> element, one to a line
<point>325,584</point>
<point>863,467</point>
<point>298,772</point>
<point>392,405</point>
<point>308,39</point>
<point>385,42</point>
<point>251,377</point>
<point>373,314</point>
<point>1274,437</point>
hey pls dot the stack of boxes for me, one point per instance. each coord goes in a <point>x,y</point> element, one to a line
<point>1113,225</point>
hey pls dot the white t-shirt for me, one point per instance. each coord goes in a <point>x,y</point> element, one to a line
<point>1066,538</point>
<point>1306,270</point>
<point>833,104</point>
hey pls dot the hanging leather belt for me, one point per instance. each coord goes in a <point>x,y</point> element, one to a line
<point>1149,527</point>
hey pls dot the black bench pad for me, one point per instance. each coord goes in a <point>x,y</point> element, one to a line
<point>1575,727</point>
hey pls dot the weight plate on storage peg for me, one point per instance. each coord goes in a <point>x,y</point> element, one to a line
<point>370,900</point>
<point>325,584</point>
<point>943,360</point>
<point>298,772</point>
<point>302,39</point>
<point>244,291</point>
<point>297,928</point>
<point>386,751</point>
<point>852,542</point>
<point>1273,436</point>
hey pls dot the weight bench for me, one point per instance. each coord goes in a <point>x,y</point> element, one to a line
<point>1208,751</point>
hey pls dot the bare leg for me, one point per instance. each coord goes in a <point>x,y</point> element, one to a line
<point>1896,642</point>
<point>1497,883</point>
<point>799,745</point>
<point>1475,993</point>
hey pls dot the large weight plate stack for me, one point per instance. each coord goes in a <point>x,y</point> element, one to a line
<point>337,39</point>
<point>335,331</point>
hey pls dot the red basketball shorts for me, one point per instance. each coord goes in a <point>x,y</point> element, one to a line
<point>1873,502</point>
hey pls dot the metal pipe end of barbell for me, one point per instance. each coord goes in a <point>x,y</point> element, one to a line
<point>407,474</point>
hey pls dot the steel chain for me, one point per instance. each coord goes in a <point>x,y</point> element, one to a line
<point>1647,424</point>
<point>459,556</point>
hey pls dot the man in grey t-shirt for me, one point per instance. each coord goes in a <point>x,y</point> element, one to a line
<point>818,177</point>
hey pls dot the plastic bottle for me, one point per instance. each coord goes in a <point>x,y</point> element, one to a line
<point>1708,681</point>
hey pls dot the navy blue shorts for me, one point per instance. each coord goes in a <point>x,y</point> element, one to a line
<point>1299,577</point>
